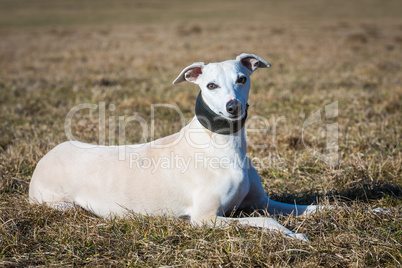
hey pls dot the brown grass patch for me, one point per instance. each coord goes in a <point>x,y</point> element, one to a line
<point>58,54</point>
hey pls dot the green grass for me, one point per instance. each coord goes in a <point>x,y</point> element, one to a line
<point>58,54</point>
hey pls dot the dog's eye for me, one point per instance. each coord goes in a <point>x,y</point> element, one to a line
<point>242,80</point>
<point>212,86</point>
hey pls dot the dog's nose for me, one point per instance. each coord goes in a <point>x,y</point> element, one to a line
<point>233,107</point>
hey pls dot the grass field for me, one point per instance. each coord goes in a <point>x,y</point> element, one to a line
<point>55,55</point>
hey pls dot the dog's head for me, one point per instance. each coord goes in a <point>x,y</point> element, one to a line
<point>225,85</point>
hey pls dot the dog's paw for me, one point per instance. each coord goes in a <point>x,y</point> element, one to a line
<point>381,210</point>
<point>300,237</point>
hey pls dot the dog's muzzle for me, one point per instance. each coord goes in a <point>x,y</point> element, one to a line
<point>217,123</point>
<point>233,107</point>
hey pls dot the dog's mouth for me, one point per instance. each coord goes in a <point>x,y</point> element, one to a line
<point>236,116</point>
<point>233,117</point>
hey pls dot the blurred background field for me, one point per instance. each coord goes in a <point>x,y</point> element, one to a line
<point>55,55</point>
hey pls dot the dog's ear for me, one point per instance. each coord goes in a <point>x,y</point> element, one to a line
<point>190,73</point>
<point>252,62</point>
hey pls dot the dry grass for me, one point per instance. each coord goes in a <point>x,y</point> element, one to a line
<point>55,55</point>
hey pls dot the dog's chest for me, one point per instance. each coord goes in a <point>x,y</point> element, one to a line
<point>232,185</point>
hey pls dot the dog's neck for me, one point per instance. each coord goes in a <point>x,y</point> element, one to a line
<point>215,122</point>
<point>228,143</point>
<point>221,145</point>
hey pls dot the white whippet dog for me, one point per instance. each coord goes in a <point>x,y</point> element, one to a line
<point>208,174</point>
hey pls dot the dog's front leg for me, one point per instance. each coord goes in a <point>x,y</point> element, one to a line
<point>260,222</point>
<point>207,212</point>
<point>256,199</point>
